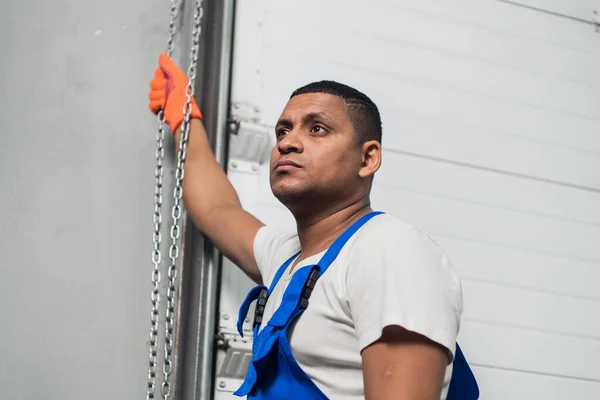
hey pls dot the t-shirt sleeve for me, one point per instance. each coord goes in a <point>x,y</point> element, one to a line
<point>402,278</point>
<point>271,248</point>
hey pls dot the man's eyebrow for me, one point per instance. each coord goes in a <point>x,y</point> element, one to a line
<point>283,122</point>
<point>308,118</point>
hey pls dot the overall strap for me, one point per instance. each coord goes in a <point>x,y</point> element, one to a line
<point>333,251</point>
<point>254,294</point>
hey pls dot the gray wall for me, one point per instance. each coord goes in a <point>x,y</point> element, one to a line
<point>76,181</point>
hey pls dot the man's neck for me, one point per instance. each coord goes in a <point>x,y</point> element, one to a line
<point>318,230</point>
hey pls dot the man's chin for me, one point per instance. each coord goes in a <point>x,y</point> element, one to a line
<point>288,195</point>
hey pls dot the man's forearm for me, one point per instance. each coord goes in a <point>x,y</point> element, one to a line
<point>206,187</point>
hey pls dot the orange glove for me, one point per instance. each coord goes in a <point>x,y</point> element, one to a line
<point>168,93</point>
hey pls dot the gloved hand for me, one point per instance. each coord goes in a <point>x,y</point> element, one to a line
<point>168,93</point>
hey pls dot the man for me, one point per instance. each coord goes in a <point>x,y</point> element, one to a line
<point>385,310</point>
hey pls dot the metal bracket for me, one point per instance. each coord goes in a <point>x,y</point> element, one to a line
<point>238,353</point>
<point>245,111</point>
<point>250,138</point>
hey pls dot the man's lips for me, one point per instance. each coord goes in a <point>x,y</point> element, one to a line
<point>286,164</point>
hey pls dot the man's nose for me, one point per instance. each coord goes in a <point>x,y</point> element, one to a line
<point>290,143</point>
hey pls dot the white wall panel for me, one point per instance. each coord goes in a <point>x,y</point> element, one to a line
<point>506,18</point>
<point>494,189</point>
<point>492,225</point>
<point>510,36</point>
<point>569,8</point>
<point>517,267</point>
<point>530,351</point>
<point>524,308</point>
<point>404,59</point>
<point>505,384</point>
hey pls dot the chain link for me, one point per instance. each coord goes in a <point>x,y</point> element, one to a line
<point>176,211</point>
<point>157,220</point>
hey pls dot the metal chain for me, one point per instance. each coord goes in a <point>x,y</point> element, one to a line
<point>157,220</point>
<point>177,195</point>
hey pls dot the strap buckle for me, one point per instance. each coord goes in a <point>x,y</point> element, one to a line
<point>309,286</point>
<point>259,310</point>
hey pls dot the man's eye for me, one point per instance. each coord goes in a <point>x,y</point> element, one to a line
<point>317,129</point>
<point>281,132</point>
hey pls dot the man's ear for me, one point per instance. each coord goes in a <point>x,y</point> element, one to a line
<point>371,158</point>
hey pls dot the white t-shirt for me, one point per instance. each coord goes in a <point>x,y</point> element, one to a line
<point>388,273</point>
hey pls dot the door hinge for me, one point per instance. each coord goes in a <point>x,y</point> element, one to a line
<point>238,353</point>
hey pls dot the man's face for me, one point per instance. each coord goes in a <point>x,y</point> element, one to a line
<point>316,155</point>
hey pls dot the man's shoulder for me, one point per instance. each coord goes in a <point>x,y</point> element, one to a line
<point>393,241</point>
<point>387,230</point>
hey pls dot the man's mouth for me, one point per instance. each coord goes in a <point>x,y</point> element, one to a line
<point>286,165</point>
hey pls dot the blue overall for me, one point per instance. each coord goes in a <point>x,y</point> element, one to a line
<point>273,373</point>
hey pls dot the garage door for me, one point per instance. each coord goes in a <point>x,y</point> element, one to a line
<point>491,117</point>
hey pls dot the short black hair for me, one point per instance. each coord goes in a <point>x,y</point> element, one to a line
<point>363,113</point>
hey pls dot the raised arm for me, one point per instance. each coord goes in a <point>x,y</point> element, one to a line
<point>210,199</point>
